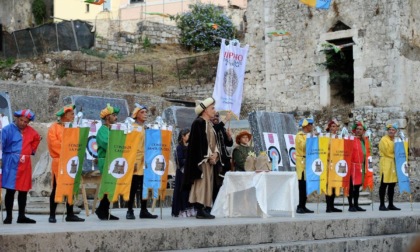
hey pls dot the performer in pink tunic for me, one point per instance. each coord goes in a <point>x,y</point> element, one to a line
<point>19,142</point>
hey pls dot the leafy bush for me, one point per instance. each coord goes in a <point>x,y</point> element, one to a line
<point>202,27</point>
<point>93,52</point>
<point>147,44</point>
<point>6,63</point>
<point>39,11</point>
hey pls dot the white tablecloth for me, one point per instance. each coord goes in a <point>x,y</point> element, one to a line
<point>256,193</point>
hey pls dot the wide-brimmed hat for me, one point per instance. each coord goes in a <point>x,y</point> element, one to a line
<point>306,121</point>
<point>358,123</point>
<point>25,113</point>
<point>109,110</point>
<point>63,110</point>
<point>203,105</point>
<point>137,108</point>
<point>241,134</point>
<point>333,121</point>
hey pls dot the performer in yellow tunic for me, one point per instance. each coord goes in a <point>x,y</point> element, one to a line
<point>55,137</point>
<point>140,117</point>
<point>307,125</point>
<point>332,128</point>
<point>388,171</point>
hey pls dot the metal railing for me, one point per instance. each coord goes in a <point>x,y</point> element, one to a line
<point>139,73</point>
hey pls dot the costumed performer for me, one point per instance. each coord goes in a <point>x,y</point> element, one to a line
<point>19,142</point>
<point>139,114</point>
<point>110,116</point>
<point>54,140</point>
<point>358,167</point>
<point>307,127</point>
<point>241,151</point>
<point>332,128</point>
<point>203,154</point>
<point>388,172</point>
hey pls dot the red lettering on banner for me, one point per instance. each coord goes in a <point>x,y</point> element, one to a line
<point>231,55</point>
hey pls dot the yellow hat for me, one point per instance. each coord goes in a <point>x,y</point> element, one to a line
<point>137,108</point>
<point>109,110</point>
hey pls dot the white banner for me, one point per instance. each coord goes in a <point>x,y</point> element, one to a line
<point>230,77</point>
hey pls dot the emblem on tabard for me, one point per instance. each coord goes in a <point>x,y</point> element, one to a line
<point>230,82</point>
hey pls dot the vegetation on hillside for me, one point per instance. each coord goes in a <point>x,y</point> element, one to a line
<point>39,11</point>
<point>203,26</point>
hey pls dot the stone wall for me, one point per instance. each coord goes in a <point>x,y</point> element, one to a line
<point>283,73</point>
<point>114,37</point>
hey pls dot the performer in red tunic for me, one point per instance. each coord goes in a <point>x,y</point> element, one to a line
<point>358,167</point>
<point>19,142</point>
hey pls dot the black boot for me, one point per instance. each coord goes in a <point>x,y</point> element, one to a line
<point>382,189</point>
<point>202,214</point>
<point>356,199</point>
<point>144,214</point>
<point>130,215</point>
<point>333,209</point>
<point>351,206</point>
<point>328,201</point>
<point>391,198</point>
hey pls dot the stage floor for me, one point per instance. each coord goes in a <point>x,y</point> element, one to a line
<point>167,232</point>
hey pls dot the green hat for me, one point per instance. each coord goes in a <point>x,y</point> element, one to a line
<point>63,110</point>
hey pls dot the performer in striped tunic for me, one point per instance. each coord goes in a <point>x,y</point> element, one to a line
<point>19,142</point>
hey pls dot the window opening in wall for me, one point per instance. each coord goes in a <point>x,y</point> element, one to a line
<point>340,65</point>
<point>137,1</point>
<point>87,7</point>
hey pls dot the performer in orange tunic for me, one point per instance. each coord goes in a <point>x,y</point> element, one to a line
<point>54,139</point>
<point>19,142</point>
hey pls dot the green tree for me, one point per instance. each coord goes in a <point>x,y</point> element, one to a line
<point>39,11</point>
<point>203,26</point>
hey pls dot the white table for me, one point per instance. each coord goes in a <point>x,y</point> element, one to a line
<point>256,193</point>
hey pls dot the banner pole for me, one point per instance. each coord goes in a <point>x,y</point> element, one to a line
<point>65,209</point>
<point>343,199</point>
<point>160,203</point>
<point>371,197</point>
<point>317,204</point>
<point>411,201</point>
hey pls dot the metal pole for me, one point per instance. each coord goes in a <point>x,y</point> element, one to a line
<point>134,72</point>
<point>101,71</point>
<point>179,76</point>
<point>17,46</point>
<point>117,73</point>
<point>56,35</point>
<point>153,80</point>
<point>74,34</point>
<point>33,42</point>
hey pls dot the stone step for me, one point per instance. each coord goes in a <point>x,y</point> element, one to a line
<point>367,231</point>
<point>381,243</point>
